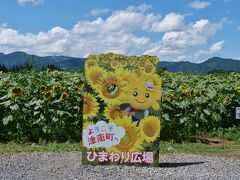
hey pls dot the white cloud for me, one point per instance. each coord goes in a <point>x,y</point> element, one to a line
<point>199,4</point>
<point>140,8</point>
<point>99,11</point>
<point>196,34</point>
<point>171,22</point>
<point>213,50</point>
<point>115,33</point>
<point>34,2</point>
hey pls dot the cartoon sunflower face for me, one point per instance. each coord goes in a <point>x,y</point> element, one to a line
<point>142,94</point>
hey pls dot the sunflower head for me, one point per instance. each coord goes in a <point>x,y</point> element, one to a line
<point>113,112</point>
<point>111,55</point>
<point>93,57</point>
<point>227,101</point>
<point>141,63</point>
<point>154,59</point>
<point>114,64</point>
<point>43,88</point>
<point>64,96</point>
<point>16,91</point>
<point>124,73</point>
<point>94,75</point>
<point>112,89</point>
<point>149,69</point>
<point>89,63</point>
<point>132,141</point>
<point>238,89</point>
<point>192,93</point>
<point>48,95</point>
<point>131,60</point>
<point>203,92</point>
<point>184,86</point>
<point>56,88</point>
<point>78,89</point>
<point>150,128</point>
<point>123,63</point>
<point>90,106</point>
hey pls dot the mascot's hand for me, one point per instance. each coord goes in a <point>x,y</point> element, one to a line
<point>156,106</point>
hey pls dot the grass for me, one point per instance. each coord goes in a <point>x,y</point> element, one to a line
<point>165,147</point>
<point>49,147</point>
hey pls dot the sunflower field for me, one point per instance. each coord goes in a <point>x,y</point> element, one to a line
<point>41,105</point>
<point>198,103</point>
<point>47,105</point>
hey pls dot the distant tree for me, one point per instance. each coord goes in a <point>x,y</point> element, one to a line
<point>50,67</point>
<point>3,68</point>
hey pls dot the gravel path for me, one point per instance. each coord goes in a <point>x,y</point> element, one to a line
<point>68,166</point>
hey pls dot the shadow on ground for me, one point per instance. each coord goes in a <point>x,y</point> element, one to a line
<point>172,165</point>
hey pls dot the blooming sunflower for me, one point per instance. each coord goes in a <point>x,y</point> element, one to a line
<point>124,73</point>
<point>64,96</point>
<point>90,106</point>
<point>203,92</point>
<point>43,88</point>
<point>141,63</point>
<point>93,57</point>
<point>154,59</point>
<point>238,89</point>
<point>16,91</point>
<point>184,86</point>
<point>227,101</point>
<point>78,89</point>
<point>94,75</point>
<point>123,63</point>
<point>192,93</point>
<point>56,88</point>
<point>114,64</point>
<point>150,128</point>
<point>150,69</point>
<point>48,95</point>
<point>111,55</point>
<point>89,63</point>
<point>131,60</point>
<point>113,112</point>
<point>111,88</point>
<point>131,142</point>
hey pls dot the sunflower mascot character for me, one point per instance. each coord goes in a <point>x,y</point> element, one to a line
<point>144,94</point>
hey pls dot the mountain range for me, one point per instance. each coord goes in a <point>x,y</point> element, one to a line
<point>64,62</point>
<point>22,58</point>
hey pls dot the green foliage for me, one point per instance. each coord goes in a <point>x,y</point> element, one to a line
<point>37,110</point>
<point>41,105</point>
<point>192,103</point>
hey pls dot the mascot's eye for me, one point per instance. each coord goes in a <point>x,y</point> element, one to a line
<point>147,95</point>
<point>135,93</point>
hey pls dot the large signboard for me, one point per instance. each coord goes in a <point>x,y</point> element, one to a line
<point>121,118</point>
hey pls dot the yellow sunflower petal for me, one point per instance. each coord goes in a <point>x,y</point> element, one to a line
<point>113,112</point>
<point>112,89</point>
<point>90,107</point>
<point>132,140</point>
<point>94,75</point>
<point>150,128</point>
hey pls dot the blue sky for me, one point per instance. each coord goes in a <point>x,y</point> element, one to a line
<point>192,30</point>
